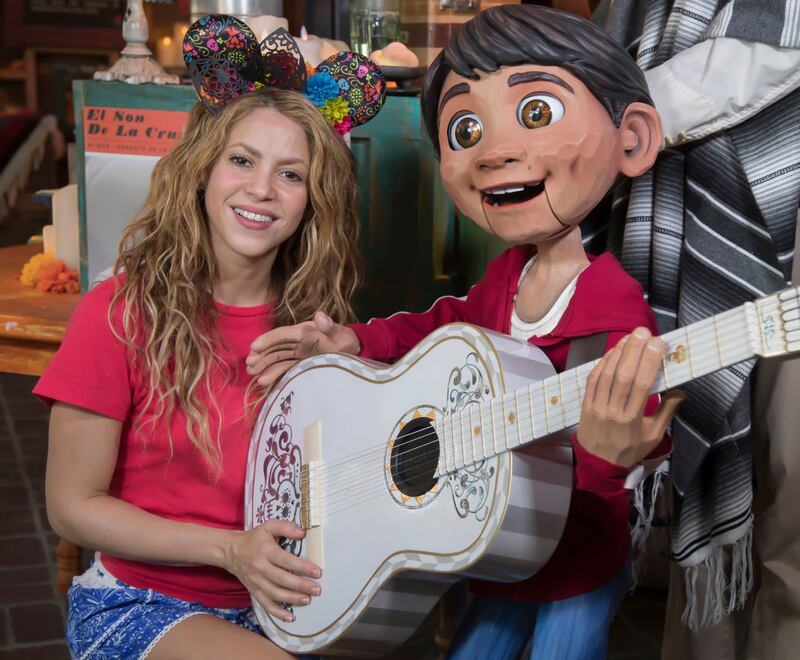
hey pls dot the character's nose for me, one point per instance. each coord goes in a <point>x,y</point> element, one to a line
<point>500,156</point>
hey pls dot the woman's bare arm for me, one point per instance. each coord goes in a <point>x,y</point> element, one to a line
<point>81,457</point>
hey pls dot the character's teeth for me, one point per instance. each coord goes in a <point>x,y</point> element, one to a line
<point>505,191</point>
<point>513,194</point>
<point>256,217</point>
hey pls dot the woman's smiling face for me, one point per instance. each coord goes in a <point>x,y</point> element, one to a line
<point>257,191</point>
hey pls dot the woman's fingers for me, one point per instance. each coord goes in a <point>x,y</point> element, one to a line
<point>284,558</point>
<point>273,608</point>
<point>279,594</point>
<point>299,565</point>
<point>291,582</point>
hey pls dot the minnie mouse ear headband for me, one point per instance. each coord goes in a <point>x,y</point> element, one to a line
<point>226,61</point>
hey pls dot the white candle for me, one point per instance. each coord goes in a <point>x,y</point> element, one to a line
<point>338,45</point>
<point>309,45</point>
<point>65,224</point>
<point>265,25</point>
<point>330,48</point>
<point>49,239</point>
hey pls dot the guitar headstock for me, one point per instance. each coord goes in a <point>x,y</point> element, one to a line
<point>774,323</point>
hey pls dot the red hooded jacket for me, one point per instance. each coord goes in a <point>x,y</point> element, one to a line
<point>596,540</point>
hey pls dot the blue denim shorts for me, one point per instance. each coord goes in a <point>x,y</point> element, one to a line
<point>109,619</point>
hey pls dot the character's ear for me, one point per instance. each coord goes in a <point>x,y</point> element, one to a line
<point>642,138</point>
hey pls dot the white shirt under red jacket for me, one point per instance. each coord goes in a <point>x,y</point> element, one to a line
<point>596,539</point>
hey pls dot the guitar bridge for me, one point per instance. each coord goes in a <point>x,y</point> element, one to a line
<point>309,497</point>
<point>305,497</point>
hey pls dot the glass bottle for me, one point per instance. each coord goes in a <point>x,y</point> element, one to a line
<point>373,24</point>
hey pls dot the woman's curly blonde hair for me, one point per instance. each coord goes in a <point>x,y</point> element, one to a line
<point>166,294</point>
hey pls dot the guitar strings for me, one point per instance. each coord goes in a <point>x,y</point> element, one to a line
<point>696,348</point>
<point>329,484</point>
<point>326,470</point>
<point>534,389</point>
<point>570,410</point>
<point>381,448</point>
<point>329,503</point>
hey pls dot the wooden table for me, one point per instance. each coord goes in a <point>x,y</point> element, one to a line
<point>32,323</point>
<point>32,326</point>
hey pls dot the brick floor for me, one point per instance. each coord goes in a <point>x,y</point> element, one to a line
<point>32,613</point>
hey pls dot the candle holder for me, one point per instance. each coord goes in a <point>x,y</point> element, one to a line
<point>136,65</point>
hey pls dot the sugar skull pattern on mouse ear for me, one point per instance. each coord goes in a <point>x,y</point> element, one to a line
<point>360,86</point>
<point>222,55</point>
<point>283,65</point>
<point>226,61</point>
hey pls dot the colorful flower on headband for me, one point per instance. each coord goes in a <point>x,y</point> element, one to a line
<point>226,60</point>
<point>343,127</point>
<point>335,110</point>
<point>321,87</point>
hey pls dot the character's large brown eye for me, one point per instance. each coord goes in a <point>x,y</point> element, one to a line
<point>539,110</point>
<point>464,131</point>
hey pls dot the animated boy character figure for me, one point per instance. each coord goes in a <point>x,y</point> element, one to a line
<point>535,114</point>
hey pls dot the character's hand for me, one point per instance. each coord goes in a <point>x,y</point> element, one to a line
<point>271,574</point>
<point>612,424</point>
<point>276,351</point>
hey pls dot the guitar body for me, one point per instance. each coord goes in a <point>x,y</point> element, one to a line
<point>391,534</point>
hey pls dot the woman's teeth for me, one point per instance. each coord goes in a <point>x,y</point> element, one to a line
<point>255,217</point>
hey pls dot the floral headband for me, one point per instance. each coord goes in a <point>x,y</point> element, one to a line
<point>226,61</point>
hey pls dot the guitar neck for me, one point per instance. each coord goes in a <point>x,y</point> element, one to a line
<point>767,327</point>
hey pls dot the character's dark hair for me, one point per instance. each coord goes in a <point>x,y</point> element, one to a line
<point>508,35</point>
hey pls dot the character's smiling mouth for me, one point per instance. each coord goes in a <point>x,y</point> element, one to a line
<point>512,194</point>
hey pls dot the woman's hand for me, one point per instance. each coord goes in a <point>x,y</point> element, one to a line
<point>276,351</point>
<point>271,574</point>
<point>612,424</point>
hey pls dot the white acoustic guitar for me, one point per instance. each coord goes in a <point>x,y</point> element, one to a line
<point>405,478</point>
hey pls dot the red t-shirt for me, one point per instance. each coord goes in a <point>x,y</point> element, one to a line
<point>94,370</point>
<point>596,541</point>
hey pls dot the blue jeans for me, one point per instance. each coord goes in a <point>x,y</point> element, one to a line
<point>571,629</point>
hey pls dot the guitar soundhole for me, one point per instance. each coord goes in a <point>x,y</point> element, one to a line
<point>415,456</point>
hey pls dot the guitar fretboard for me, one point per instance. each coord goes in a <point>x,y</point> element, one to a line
<point>770,326</point>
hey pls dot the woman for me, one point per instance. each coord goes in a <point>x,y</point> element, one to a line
<point>249,224</point>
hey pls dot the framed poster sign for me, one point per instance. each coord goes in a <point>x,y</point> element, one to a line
<point>63,23</point>
<point>121,132</point>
